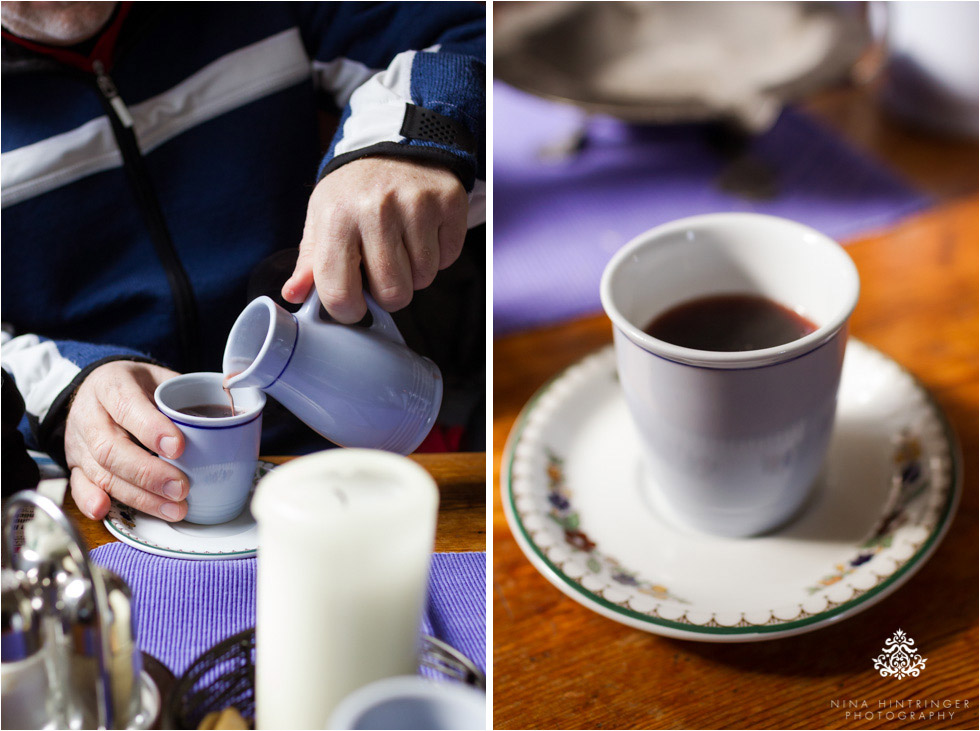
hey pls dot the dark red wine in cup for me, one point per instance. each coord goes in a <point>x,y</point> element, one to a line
<point>729,323</point>
<point>214,411</point>
<point>208,411</point>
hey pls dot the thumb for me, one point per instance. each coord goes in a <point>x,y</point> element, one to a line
<point>298,286</point>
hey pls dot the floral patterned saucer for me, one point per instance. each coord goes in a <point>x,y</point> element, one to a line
<point>572,487</point>
<point>238,538</point>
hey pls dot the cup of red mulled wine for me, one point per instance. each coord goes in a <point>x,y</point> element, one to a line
<point>222,429</point>
<point>730,331</point>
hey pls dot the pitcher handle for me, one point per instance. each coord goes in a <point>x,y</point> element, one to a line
<point>381,319</point>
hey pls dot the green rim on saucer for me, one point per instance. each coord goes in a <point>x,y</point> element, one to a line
<point>542,493</point>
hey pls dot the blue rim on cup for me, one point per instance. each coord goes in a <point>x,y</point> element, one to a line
<point>689,229</point>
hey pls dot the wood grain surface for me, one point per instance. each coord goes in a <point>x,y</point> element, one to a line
<point>559,665</point>
<point>461,525</point>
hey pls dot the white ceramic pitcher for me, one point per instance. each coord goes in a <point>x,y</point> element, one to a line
<point>356,386</point>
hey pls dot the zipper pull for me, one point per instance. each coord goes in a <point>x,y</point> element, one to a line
<point>111,93</point>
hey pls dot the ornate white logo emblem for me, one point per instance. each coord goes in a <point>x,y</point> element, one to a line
<point>899,658</point>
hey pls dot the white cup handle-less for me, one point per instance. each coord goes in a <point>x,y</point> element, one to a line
<point>382,322</point>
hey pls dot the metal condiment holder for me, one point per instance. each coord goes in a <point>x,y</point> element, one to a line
<point>77,618</point>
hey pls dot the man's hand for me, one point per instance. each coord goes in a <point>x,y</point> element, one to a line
<point>402,220</point>
<point>112,410</point>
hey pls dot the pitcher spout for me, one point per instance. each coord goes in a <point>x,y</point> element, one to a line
<point>260,345</point>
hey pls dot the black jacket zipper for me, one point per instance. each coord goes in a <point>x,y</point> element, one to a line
<point>188,327</point>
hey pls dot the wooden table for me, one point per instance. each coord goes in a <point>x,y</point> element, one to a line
<point>559,665</point>
<point>462,522</point>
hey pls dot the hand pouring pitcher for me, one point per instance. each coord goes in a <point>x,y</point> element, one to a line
<point>356,386</point>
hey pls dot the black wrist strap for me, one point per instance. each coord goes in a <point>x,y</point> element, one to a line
<point>428,126</point>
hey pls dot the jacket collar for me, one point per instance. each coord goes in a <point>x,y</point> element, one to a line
<point>19,55</point>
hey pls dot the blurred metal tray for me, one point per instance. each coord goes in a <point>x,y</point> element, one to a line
<point>667,62</point>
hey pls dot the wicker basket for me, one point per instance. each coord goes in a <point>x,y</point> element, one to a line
<point>224,676</point>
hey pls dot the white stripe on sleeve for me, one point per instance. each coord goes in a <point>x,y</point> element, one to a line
<point>41,373</point>
<point>377,107</point>
<point>340,78</point>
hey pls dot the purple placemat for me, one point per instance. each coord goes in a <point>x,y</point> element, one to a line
<point>557,223</point>
<point>186,607</point>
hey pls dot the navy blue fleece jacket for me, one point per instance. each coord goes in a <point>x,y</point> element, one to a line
<point>223,150</point>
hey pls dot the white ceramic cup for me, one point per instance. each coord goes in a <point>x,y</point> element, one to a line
<point>411,702</point>
<point>733,440</point>
<point>219,454</point>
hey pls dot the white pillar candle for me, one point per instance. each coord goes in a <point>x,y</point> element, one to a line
<point>345,539</point>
